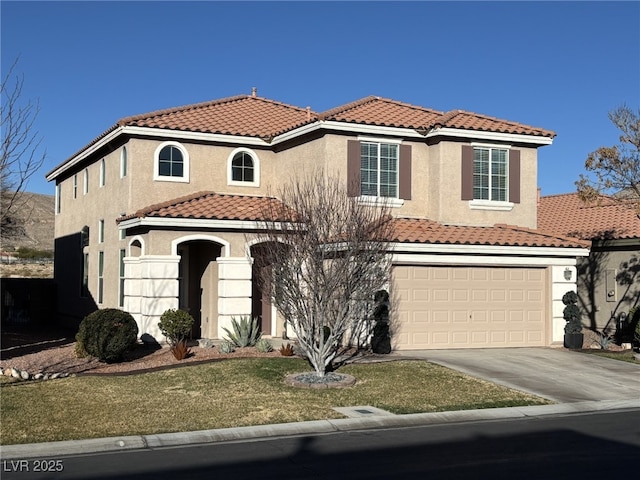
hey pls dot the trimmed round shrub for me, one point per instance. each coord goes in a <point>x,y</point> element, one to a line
<point>106,334</point>
<point>175,325</point>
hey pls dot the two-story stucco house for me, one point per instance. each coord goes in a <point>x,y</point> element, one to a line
<point>158,212</point>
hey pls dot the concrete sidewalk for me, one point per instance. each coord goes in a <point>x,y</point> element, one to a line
<point>578,382</point>
<point>318,427</point>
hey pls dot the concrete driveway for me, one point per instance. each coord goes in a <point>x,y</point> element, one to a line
<point>557,374</point>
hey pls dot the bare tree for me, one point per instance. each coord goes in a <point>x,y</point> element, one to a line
<point>328,255</point>
<point>616,170</point>
<point>20,158</point>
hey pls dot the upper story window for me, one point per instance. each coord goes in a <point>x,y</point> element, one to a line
<point>57,198</point>
<point>75,186</point>
<point>379,169</point>
<point>85,188</point>
<point>103,171</point>
<point>123,162</point>
<point>490,176</point>
<point>171,163</point>
<point>243,168</point>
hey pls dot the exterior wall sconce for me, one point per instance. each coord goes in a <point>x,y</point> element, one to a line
<point>567,274</point>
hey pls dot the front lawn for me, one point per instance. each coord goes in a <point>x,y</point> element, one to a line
<point>625,355</point>
<point>231,393</point>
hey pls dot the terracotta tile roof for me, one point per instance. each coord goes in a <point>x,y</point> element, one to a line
<point>566,214</point>
<point>412,230</point>
<point>386,112</point>
<point>244,115</point>
<point>212,206</point>
<point>474,121</point>
<point>253,116</point>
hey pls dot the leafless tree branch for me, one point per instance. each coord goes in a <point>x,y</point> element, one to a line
<point>328,256</point>
<point>20,157</point>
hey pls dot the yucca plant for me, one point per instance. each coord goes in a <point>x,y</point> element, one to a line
<point>264,346</point>
<point>181,350</point>
<point>226,347</point>
<point>286,350</point>
<point>246,332</point>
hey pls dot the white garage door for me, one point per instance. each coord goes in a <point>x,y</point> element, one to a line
<point>468,307</point>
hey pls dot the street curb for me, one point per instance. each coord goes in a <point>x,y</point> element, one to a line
<point>138,442</point>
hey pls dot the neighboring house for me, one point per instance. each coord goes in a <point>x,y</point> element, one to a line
<point>608,279</point>
<point>161,211</point>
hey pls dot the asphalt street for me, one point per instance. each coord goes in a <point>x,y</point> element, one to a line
<point>586,446</point>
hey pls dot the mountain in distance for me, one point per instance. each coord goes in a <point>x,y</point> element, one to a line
<point>37,217</point>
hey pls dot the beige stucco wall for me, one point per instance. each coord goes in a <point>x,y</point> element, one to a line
<point>608,284</point>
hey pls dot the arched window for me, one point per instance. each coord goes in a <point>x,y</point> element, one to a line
<point>243,168</point>
<point>171,163</point>
<point>123,162</point>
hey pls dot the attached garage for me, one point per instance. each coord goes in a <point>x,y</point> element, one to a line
<point>441,307</point>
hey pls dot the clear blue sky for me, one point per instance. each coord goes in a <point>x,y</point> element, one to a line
<point>558,65</point>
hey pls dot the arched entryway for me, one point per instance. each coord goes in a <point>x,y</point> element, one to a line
<point>198,285</point>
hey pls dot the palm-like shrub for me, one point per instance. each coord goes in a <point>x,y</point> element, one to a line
<point>106,334</point>
<point>246,331</point>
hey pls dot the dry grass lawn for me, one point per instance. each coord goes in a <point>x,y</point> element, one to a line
<point>232,393</point>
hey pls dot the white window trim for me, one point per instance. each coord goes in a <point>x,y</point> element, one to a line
<point>491,205</point>
<point>103,172</point>
<point>85,187</point>
<point>185,165</point>
<point>478,204</point>
<point>372,201</point>
<point>256,168</point>
<point>75,186</point>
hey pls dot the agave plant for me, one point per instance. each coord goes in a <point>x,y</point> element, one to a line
<point>246,332</point>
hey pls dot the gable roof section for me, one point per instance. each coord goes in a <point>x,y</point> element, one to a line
<point>414,230</point>
<point>213,206</point>
<point>568,215</point>
<point>391,113</point>
<point>243,115</point>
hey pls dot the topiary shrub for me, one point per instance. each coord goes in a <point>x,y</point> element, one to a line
<point>246,332</point>
<point>106,334</point>
<point>175,325</point>
<point>571,313</point>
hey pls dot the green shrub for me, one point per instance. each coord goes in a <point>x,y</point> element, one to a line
<point>246,332</point>
<point>106,334</point>
<point>264,346</point>
<point>29,253</point>
<point>226,347</point>
<point>175,325</point>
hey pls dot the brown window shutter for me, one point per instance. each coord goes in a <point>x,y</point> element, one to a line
<point>353,168</point>
<point>404,174</point>
<point>514,176</point>
<point>467,172</point>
